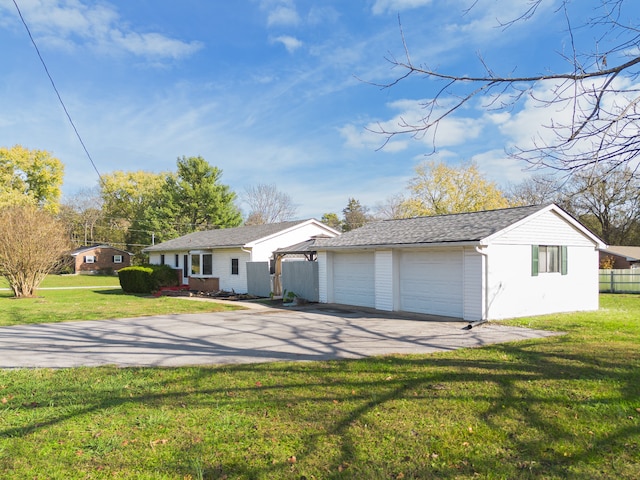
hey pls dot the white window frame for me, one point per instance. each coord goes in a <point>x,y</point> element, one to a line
<point>549,259</point>
<point>118,258</point>
<point>201,256</point>
<point>89,259</point>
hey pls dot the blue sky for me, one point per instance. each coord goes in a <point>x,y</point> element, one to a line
<point>270,91</point>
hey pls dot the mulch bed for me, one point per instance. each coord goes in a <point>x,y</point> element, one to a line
<point>183,291</point>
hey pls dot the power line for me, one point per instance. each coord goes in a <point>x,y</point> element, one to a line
<point>53,84</point>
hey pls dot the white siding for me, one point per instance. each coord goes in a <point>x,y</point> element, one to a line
<point>262,251</point>
<point>323,277</point>
<point>473,282</point>
<point>222,269</point>
<point>461,282</point>
<point>548,228</point>
<point>384,280</point>
<point>514,292</point>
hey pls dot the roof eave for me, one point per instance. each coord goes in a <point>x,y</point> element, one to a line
<point>460,243</point>
<point>195,247</point>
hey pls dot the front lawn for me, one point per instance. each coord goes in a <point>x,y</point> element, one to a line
<point>73,300</point>
<point>561,407</point>
<point>65,281</point>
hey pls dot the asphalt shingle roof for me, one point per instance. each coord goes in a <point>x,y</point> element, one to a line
<point>224,237</point>
<point>461,227</point>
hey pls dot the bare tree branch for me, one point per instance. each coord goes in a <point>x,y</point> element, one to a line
<point>268,205</point>
<point>600,95</point>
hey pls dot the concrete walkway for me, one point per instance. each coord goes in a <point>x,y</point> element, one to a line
<point>260,334</point>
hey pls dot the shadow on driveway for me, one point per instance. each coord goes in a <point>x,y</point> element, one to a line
<point>261,334</point>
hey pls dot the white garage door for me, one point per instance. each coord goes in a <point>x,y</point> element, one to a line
<point>431,282</point>
<point>353,279</point>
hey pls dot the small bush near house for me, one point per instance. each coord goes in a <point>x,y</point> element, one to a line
<point>146,278</point>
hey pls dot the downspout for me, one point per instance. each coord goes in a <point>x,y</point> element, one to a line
<point>485,312</point>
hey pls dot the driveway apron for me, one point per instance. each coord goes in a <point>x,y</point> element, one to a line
<point>241,336</point>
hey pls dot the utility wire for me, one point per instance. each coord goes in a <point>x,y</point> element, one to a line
<point>53,84</point>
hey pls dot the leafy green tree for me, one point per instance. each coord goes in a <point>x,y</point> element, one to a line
<point>154,207</point>
<point>439,189</point>
<point>126,197</point>
<point>354,215</point>
<point>201,199</point>
<point>332,220</point>
<point>30,177</point>
<point>191,200</point>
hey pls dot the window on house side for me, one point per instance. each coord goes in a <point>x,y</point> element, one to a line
<point>90,259</point>
<point>195,264</point>
<point>117,259</point>
<point>234,266</point>
<point>207,264</point>
<point>177,260</point>
<point>202,264</point>
<point>162,259</point>
<point>548,259</point>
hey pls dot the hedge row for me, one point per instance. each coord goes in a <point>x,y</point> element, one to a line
<point>147,278</point>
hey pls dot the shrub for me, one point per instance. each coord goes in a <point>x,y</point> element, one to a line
<point>136,279</point>
<point>146,278</point>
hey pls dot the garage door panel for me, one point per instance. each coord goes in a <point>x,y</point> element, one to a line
<point>354,279</point>
<point>431,282</point>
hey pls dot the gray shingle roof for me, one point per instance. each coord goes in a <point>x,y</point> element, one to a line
<point>461,227</point>
<point>224,237</point>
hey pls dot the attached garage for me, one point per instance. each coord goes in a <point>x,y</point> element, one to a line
<point>431,282</point>
<point>472,266</point>
<point>353,279</point>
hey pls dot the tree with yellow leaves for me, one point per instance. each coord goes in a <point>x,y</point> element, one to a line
<point>439,189</point>
<point>30,177</point>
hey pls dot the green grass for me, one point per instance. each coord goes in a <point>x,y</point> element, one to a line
<point>62,281</point>
<point>69,304</point>
<point>565,407</point>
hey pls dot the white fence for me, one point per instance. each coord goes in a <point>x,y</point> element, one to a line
<point>620,281</point>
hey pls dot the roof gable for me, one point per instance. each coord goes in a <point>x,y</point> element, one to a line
<point>472,227</point>
<point>244,236</point>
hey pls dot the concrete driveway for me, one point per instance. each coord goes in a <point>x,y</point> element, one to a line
<point>244,336</point>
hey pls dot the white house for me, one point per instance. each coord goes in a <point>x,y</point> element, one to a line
<point>217,259</point>
<point>475,266</point>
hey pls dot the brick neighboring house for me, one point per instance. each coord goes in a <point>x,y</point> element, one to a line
<point>623,256</point>
<point>99,259</point>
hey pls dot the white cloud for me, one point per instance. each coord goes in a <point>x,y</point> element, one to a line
<point>71,23</point>
<point>393,6</point>
<point>364,138</point>
<point>451,130</point>
<point>290,43</point>
<point>280,12</point>
<point>486,21</point>
<point>498,166</point>
<point>283,15</point>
